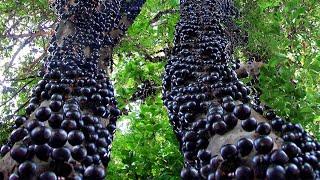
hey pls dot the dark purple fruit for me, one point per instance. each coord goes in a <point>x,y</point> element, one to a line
<point>204,155</point>
<point>221,175</point>
<point>306,171</point>
<point>263,128</point>
<point>291,149</point>
<point>229,106</point>
<point>55,106</point>
<point>231,120</point>
<point>277,123</point>
<point>292,171</point>
<point>4,150</point>
<point>228,151</point>
<point>87,161</point>
<point>14,176</point>
<point>49,175</point>
<point>263,144</point>
<point>189,173</point>
<point>219,128</point>
<point>33,124</point>
<point>43,152</point>
<point>19,153</point>
<point>270,115</point>
<point>69,125</point>
<point>96,159</point>
<point>249,124</point>
<point>242,111</point>
<point>205,171</point>
<point>63,169</point>
<point>78,153</point>
<point>61,154</point>
<point>94,172</point>
<point>40,135</point>
<point>74,115</point>
<point>260,164</point>
<point>20,120</point>
<point>91,148</point>
<point>244,173</point>
<point>211,176</point>
<point>76,177</point>
<point>55,120</point>
<point>58,138</point>
<point>75,137</point>
<point>43,113</point>
<point>279,157</point>
<point>244,146</point>
<point>276,173</point>
<point>189,136</point>
<point>18,134</point>
<point>27,170</point>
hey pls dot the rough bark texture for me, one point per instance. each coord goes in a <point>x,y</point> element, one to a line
<point>70,121</point>
<point>224,133</point>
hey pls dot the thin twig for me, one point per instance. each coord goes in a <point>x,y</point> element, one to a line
<point>22,79</point>
<point>16,93</point>
<point>162,13</point>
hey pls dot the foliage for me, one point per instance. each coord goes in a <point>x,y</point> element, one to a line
<point>25,29</point>
<point>148,148</point>
<point>285,35</point>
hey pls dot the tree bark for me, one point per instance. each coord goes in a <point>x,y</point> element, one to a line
<point>72,109</point>
<point>223,133</point>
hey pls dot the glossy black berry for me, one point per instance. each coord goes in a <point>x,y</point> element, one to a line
<point>27,170</point>
<point>40,135</point>
<point>75,137</point>
<point>94,172</point>
<point>263,128</point>
<point>244,173</point>
<point>49,175</point>
<point>244,146</point>
<point>189,173</point>
<point>58,138</point>
<point>43,113</point>
<point>19,153</point>
<point>242,111</point>
<point>61,154</point>
<point>276,172</point>
<point>249,124</point>
<point>228,151</point>
<point>279,157</point>
<point>263,144</point>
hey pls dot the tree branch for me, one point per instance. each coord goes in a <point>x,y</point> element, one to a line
<point>22,79</point>
<point>162,13</point>
<point>16,93</point>
<point>27,41</point>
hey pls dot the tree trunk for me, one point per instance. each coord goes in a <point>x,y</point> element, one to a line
<point>223,132</point>
<point>69,124</point>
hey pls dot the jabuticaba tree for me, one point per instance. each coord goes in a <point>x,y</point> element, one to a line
<point>69,124</point>
<point>223,132</point>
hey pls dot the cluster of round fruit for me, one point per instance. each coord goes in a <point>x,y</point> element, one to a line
<point>131,9</point>
<point>146,89</point>
<point>69,124</point>
<point>206,101</point>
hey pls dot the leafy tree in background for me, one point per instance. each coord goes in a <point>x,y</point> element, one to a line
<point>284,36</point>
<point>142,55</point>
